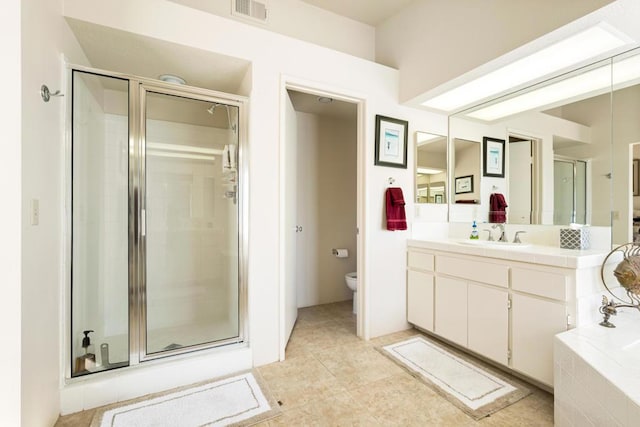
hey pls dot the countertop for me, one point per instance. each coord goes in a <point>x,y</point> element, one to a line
<point>534,254</point>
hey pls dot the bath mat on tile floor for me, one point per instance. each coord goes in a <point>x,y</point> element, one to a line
<point>472,388</point>
<point>236,400</point>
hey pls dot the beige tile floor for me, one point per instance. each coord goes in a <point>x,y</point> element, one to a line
<point>332,378</point>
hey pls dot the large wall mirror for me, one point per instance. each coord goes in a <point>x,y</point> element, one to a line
<point>568,150</point>
<point>554,140</point>
<point>431,168</point>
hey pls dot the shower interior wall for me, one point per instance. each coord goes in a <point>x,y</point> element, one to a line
<point>327,195</point>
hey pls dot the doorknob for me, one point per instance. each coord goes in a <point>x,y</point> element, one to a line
<point>298,229</point>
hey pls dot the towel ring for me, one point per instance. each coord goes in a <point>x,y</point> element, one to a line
<point>391,180</point>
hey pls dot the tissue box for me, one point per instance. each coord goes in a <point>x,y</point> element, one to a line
<point>575,238</point>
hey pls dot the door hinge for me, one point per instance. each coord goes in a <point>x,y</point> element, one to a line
<point>568,321</point>
<point>508,303</point>
<point>509,354</point>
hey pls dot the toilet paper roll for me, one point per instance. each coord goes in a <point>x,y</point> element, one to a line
<point>341,253</point>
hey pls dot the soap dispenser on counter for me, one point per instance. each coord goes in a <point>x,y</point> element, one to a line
<point>87,361</point>
<point>474,231</point>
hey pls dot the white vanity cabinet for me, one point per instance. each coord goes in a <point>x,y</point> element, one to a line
<point>488,322</point>
<point>539,311</point>
<point>506,310</point>
<point>420,289</point>
<point>451,309</point>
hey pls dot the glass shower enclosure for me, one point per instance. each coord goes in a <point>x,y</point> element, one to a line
<point>156,230</point>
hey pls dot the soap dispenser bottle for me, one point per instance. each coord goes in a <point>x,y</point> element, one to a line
<point>474,231</point>
<point>87,361</point>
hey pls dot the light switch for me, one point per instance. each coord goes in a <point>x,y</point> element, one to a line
<point>35,212</point>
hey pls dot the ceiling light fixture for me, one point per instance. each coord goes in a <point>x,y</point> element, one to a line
<point>171,78</point>
<point>573,50</point>
<point>325,100</point>
<point>572,88</point>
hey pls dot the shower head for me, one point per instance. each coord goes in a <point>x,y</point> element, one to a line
<point>212,109</point>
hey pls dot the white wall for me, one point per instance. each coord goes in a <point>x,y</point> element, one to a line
<point>10,216</point>
<point>377,85</point>
<point>303,21</point>
<point>467,163</point>
<point>326,206</point>
<point>433,41</point>
<point>45,37</point>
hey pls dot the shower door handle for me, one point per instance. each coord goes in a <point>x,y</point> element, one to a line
<point>143,222</point>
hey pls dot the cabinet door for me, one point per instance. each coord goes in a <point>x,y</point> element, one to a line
<point>451,310</point>
<point>420,299</point>
<point>488,312</point>
<point>534,322</point>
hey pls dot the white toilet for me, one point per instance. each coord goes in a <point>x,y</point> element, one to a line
<point>352,283</point>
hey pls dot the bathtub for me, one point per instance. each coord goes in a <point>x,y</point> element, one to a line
<point>597,373</point>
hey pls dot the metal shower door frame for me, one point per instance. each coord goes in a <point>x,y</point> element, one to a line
<point>138,86</point>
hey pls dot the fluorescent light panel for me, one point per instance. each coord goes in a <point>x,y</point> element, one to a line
<point>424,137</point>
<point>429,171</point>
<point>594,80</point>
<point>570,51</point>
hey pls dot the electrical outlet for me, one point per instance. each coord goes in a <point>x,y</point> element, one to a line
<point>35,212</point>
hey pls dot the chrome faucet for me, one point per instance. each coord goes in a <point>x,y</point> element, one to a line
<point>503,235</point>
<point>490,238</point>
<point>517,238</point>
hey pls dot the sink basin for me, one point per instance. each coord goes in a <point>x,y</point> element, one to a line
<point>493,244</point>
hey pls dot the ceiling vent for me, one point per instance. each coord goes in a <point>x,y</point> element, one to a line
<point>251,9</point>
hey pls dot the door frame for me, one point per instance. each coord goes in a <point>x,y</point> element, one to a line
<point>535,215</point>
<point>340,94</point>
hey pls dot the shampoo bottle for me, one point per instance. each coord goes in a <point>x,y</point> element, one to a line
<point>474,231</point>
<point>87,361</point>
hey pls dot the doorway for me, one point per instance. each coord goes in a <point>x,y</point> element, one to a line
<point>320,203</point>
<point>156,203</point>
<point>523,194</point>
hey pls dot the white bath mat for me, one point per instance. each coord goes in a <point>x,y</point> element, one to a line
<point>470,387</point>
<point>230,401</point>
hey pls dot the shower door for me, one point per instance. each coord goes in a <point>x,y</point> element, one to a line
<point>190,216</point>
<point>569,191</point>
<point>155,237</point>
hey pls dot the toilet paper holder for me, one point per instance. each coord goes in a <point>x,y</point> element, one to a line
<point>340,253</point>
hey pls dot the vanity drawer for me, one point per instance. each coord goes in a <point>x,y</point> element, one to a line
<point>542,283</point>
<point>477,271</point>
<point>420,260</point>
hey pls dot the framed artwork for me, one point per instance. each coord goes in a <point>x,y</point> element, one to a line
<point>391,142</point>
<point>493,157</point>
<point>464,184</point>
<point>636,177</point>
<point>439,198</point>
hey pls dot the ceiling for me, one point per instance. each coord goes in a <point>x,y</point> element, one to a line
<point>114,50</point>
<point>307,103</point>
<point>371,12</point>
